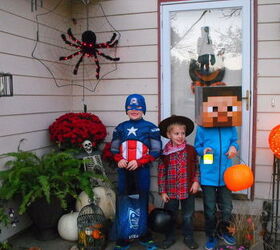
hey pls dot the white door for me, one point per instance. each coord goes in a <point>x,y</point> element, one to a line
<point>230,30</point>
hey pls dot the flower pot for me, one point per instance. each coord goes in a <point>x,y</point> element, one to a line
<point>45,218</point>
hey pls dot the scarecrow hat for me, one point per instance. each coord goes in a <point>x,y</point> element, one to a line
<point>176,119</point>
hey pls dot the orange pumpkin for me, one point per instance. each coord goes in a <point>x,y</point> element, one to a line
<point>274,141</point>
<point>238,177</point>
<point>96,234</point>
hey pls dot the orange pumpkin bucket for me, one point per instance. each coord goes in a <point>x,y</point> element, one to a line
<point>238,177</point>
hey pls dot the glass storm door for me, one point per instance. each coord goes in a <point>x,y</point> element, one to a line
<point>221,29</point>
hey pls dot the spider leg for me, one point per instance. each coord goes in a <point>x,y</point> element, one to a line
<point>69,43</point>
<point>110,43</point>
<point>74,39</point>
<point>75,71</point>
<point>108,57</point>
<point>63,58</point>
<point>113,38</point>
<point>97,66</point>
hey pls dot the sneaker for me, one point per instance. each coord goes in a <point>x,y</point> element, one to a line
<point>150,245</point>
<point>117,247</point>
<point>166,243</point>
<point>228,239</point>
<point>190,243</point>
<point>211,243</point>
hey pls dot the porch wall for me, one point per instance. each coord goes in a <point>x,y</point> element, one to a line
<point>136,71</point>
<point>268,91</point>
<point>36,101</point>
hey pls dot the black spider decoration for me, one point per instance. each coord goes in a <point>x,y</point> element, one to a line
<point>88,47</point>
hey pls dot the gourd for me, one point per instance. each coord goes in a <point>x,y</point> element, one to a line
<point>238,177</point>
<point>67,226</point>
<point>106,200</point>
<point>104,197</point>
<point>82,201</point>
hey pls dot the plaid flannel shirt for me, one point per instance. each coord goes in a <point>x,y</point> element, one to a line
<point>177,172</point>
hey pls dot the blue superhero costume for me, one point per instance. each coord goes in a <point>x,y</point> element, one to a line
<point>136,140</point>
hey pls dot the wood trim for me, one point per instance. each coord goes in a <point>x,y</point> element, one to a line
<point>254,87</point>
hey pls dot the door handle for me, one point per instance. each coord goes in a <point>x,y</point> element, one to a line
<point>248,99</point>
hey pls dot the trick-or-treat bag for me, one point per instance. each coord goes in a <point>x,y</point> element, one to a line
<point>131,216</point>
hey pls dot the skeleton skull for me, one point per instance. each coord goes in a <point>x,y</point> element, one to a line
<point>87,145</point>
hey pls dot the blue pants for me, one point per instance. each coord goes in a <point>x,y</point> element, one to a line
<point>134,182</point>
<point>187,206</point>
<point>214,197</point>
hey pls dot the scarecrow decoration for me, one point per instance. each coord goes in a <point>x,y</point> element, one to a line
<point>199,69</point>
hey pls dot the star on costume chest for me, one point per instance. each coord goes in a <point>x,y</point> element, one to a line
<point>132,130</point>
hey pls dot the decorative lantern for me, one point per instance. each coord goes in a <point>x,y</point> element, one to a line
<point>238,177</point>
<point>274,140</point>
<point>6,84</point>
<point>91,227</point>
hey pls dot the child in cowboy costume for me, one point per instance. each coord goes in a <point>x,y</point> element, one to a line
<point>178,176</point>
<point>135,144</point>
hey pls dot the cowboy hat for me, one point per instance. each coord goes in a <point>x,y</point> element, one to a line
<point>176,119</point>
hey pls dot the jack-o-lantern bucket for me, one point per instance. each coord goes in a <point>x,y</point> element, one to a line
<point>238,177</point>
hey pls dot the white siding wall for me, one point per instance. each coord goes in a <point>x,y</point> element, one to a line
<point>36,101</point>
<point>137,69</point>
<point>268,91</point>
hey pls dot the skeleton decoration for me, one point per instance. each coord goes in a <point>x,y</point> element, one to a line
<point>87,145</point>
<point>93,163</point>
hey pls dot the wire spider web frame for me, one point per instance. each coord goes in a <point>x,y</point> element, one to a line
<point>93,88</point>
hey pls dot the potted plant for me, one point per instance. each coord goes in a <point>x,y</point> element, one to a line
<point>47,181</point>
<point>72,129</point>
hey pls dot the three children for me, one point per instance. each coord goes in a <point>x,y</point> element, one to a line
<point>136,143</point>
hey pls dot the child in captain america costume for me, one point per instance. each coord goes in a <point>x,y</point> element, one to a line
<point>135,144</point>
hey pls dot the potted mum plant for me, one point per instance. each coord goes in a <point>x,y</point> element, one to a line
<point>72,129</point>
<point>44,182</point>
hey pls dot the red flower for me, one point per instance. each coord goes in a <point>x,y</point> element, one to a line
<point>106,153</point>
<point>71,129</point>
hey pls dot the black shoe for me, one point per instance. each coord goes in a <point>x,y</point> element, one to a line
<point>165,244</point>
<point>190,243</point>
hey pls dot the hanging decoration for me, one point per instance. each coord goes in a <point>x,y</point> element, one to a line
<point>83,77</point>
<point>88,47</point>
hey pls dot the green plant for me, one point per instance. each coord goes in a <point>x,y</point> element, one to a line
<point>55,174</point>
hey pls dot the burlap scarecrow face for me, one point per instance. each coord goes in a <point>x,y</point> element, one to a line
<point>218,106</point>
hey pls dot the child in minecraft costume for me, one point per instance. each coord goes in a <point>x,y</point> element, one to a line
<point>218,111</point>
<point>135,144</point>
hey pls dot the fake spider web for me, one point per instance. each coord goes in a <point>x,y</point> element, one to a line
<point>50,46</point>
